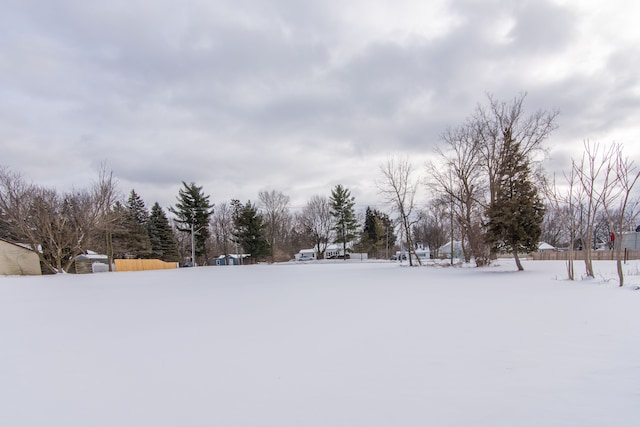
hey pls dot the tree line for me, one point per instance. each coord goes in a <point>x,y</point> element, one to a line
<point>61,226</point>
<point>489,177</point>
<point>486,186</point>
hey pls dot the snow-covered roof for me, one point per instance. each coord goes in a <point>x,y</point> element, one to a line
<point>236,256</point>
<point>544,246</point>
<point>92,255</point>
<point>21,245</point>
<point>457,245</point>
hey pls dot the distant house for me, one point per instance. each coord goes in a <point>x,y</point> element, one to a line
<point>545,247</point>
<point>444,251</point>
<point>18,260</point>
<point>333,251</point>
<point>422,252</point>
<point>305,255</point>
<point>234,259</point>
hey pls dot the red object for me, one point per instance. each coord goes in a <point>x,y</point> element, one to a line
<point>613,236</point>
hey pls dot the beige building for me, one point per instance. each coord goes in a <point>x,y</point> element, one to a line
<point>16,260</point>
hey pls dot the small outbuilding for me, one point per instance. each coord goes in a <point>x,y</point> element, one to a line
<point>18,260</point>
<point>90,262</point>
<point>234,259</point>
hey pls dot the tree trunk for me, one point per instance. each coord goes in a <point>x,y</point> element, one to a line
<point>620,273</point>
<point>517,259</point>
<point>570,268</point>
<point>618,246</point>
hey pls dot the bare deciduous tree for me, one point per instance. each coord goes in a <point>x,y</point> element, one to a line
<point>277,220</point>
<point>626,177</point>
<point>317,222</point>
<point>222,229</point>
<point>106,194</point>
<point>506,121</point>
<point>457,177</point>
<point>56,227</point>
<point>433,228</point>
<point>564,203</point>
<point>398,189</point>
<point>596,175</point>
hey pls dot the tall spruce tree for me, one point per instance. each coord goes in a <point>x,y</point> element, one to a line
<point>192,212</point>
<point>138,216</point>
<point>516,215</point>
<point>345,226</point>
<point>249,230</point>
<point>129,237</point>
<point>137,208</point>
<point>163,241</point>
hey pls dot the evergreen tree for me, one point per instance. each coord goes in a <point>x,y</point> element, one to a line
<point>137,208</point>
<point>129,238</point>
<point>138,216</point>
<point>163,241</point>
<point>377,234</point>
<point>249,230</point>
<point>193,211</point>
<point>345,226</point>
<point>516,215</point>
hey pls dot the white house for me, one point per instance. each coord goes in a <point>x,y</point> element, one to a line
<point>333,251</point>
<point>306,255</point>
<point>422,253</point>
<point>545,247</point>
<point>444,251</point>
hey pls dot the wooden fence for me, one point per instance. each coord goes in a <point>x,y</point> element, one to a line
<point>143,264</point>
<point>627,254</point>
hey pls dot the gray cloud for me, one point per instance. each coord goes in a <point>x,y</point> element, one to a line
<point>297,96</point>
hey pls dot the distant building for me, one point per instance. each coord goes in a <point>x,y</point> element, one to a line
<point>333,251</point>
<point>545,247</point>
<point>18,260</point>
<point>444,251</point>
<point>422,253</point>
<point>305,255</point>
<point>90,262</point>
<point>631,240</point>
<point>234,259</point>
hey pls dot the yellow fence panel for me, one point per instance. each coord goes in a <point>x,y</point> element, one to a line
<point>143,264</point>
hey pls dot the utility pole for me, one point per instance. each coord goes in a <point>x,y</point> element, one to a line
<point>451,214</point>
<point>193,246</point>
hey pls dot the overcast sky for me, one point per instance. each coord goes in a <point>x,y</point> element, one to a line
<point>298,96</point>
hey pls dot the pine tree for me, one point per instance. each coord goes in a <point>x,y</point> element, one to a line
<point>249,230</point>
<point>516,215</point>
<point>163,241</point>
<point>137,208</point>
<point>193,211</point>
<point>345,225</point>
<point>130,238</point>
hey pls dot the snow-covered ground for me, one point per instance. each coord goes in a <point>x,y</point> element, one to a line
<point>344,344</point>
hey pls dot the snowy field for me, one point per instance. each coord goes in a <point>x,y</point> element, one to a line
<point>322,345</point>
